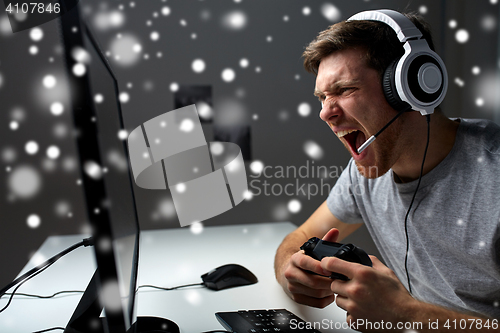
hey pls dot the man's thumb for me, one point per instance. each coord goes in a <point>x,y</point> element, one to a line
<point>332,235</point>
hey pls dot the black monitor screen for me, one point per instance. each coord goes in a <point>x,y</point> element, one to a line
<point>101,142</point>
<point>115,173</point>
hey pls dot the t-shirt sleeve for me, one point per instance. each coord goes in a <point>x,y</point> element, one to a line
<point>342,200</point>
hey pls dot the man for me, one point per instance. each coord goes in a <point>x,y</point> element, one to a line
<point>453,228</point>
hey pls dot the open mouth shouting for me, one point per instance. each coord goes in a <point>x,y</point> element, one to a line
<point>352,139</point>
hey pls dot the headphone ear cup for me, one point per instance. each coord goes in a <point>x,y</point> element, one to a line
<point>389,88</point>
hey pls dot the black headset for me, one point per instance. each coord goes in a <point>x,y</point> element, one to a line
<point>419,78</point>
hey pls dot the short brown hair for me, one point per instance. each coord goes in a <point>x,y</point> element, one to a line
<point>378,39</point>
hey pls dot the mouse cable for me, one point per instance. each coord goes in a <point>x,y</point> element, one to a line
<point>51,329</point>
<point>40,268</point>
<point>428,118</point>
<point>21,283</point>
<point>45,297</point>
<point>173,288</point>
<point>81,291</point>
<point>62,328</point>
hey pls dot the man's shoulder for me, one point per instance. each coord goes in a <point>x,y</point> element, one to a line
<point>481,134</point>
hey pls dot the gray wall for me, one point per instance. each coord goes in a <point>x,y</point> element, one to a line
<point>267,100</point>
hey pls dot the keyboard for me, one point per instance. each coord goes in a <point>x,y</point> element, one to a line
<point>259,321</point>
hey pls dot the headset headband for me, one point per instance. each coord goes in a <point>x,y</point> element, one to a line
<point>420,77</point>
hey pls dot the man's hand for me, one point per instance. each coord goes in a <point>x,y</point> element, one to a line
<point>291,266</point>
<point>373,294</point>
<point>303,286</point>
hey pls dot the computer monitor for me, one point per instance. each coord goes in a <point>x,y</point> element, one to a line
<point>107,183</point>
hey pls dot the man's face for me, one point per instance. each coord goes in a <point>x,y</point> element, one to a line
<point>355,108</point>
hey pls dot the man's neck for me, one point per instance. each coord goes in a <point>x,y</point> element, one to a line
<point>442,138</point>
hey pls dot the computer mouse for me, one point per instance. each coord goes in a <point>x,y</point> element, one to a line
<point>228,276</point>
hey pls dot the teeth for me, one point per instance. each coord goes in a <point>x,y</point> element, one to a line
<point>342,133</point>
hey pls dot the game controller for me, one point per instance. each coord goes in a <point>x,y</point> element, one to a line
<point>318,249</point>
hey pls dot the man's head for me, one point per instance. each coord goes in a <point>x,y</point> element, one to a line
<point>379,41</point>
<point>349,59</point>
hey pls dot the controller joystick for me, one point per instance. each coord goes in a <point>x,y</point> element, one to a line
<point>318,249</point>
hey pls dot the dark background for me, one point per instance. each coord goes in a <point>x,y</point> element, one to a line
<point>263,97</point>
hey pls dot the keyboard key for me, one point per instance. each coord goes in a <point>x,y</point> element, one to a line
<point>261,321</point>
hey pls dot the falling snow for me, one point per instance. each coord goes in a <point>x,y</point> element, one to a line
<point>33,50</point>
<point>124,50</point>
<point>248,195</point>
<point>24,182</point>
<point>109,295</point>
<point>244,63</point>
<point>198,65</point>
<point>330,12</point>
<point>459,82</point>
<point>79,69</point>
<point>166,208</point>
<point>462,36</point>
<point>31,147</point>
<point>98,98</point>
<point>228,75</point>
<point>53,152</point>
<point>257,167</point>
<point>235,20</point>
<point>174,86</point>
<point>122,134</point>
<point>63,209</point>
<point>180,188</point>
<point>109,20</point>
<point>29,155</point>
<point>193,297</point>
<point>165,11</point>
<point>489,23</point>
<point>49,81</point>
<point>216,148</point>
<point>80,55</point>
<point>33,221</point>
<point>313,150</point>
<point>294,206</point>
<point>186,125</point>
<point>196,228</point>
<point>93,170</point>
<point>204,110</point>
<point>56,108</point>
<point>154,36</point>
<point>124,97</point>
<point>36,34</point>
<point>304,109</point>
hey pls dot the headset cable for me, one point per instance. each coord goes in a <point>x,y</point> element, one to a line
<point>428,118</point>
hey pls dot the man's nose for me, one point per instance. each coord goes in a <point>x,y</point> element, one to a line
<point>329,109</point>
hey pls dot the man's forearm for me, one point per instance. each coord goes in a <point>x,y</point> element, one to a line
<point>437,319</point>
<point>288,247</point>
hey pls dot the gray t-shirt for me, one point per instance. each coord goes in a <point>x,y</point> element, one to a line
<point>453,227</point>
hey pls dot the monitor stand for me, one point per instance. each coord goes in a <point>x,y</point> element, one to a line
<point>87,316</point>
<point>153,325</point>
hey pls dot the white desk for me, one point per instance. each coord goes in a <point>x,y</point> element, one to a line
<point>168,258</point>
